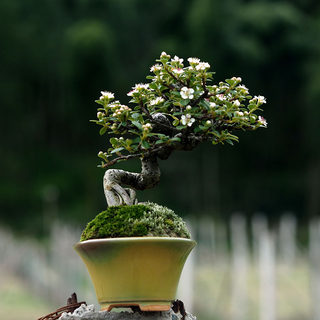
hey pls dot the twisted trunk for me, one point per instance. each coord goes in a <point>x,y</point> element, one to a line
<point>119,185</point>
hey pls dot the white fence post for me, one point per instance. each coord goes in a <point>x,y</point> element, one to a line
<point>186,288</point>
<point>267,276</point>
<point>314,254</point>
<point>239,294</point>
<point>287,239</point>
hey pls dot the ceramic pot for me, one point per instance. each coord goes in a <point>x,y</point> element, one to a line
<point>141,271</point>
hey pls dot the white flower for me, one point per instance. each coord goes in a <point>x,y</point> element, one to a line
<point>259,99</point>
<point>238,79</point>
<point>203,66</point>
<point>236,103</point>
<point>187,120</point>
<point>156,101</point>
<point>212,105</point>
<point>177,70</point>
<point>188,107</point>
<point>177,59</point>
<point>147,127</point>
<point>137,88</point>
<point>262,121</point>
<point>164,55</point>
<point>193,60</point>
<point>239,114</point>
<point>221,97</point>
<point>244,89</point>
<point>155,68</point>
<point>106,94</point>
<point>141,86</point>
<point>186,93</point>
<point>208,122</point>
<point>100,115</point>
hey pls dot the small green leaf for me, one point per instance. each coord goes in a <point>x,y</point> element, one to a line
<point>229,141</point>
<point>103,130</point>
<point>205,104</point>
<point>145,144</point>
<point>113,141</point>
<point>136,140</point>
<point>137,124</point>
<point>99,102</point>
<point>175,122</point>
<point>231,82</point>
<point>135,115</point>
<point>185,102</point>
<point>117,150</point>
<point>153,86</point>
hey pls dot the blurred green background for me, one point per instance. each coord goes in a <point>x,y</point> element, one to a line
<point>56,57</point>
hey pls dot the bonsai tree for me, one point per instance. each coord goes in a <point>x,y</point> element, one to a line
<point>178,109</point>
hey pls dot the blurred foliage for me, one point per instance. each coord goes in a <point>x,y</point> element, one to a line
<point>56,56</point>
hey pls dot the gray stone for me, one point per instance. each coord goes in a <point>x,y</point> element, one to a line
<point>88,313</point>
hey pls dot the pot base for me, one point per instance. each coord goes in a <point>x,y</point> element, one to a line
<point>142,305</point>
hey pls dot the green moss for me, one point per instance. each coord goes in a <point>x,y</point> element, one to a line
<point>141,220</point>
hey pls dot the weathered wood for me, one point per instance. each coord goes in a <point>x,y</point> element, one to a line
<point>119,185</point>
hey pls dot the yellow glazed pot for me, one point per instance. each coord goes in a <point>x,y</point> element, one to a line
<point>141,271</point>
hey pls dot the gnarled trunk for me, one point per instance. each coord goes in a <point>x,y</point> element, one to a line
<point>119,185</point>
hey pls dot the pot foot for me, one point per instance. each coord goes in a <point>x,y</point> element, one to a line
<point>144,307</point>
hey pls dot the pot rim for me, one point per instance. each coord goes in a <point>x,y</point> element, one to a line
<point>137,239</point>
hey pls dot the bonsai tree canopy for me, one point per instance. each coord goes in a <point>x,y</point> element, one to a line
<point>177,110</point>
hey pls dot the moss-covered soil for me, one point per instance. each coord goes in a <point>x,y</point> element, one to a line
<point>141,220</point>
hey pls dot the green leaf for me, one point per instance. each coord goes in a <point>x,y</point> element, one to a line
<point>99,102</point>
<point>231,82</point>
<point>175,122</point>
<point>196,130</point>
<point>103,130</point>
<point>117,150</point>
<point>137,124</point>
<point>145,144</point>
<point>229,141</point>
<point>136,140</point>
<point>135,115</point>
<point>113,141</point>
<point>134,132</point>
<point>185,102</point>
<point>205,104</point>
<point>153,86</point>
<point>176,93</point>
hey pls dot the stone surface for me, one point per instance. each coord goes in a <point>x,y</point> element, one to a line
<point>88,313</point>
